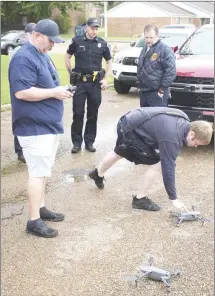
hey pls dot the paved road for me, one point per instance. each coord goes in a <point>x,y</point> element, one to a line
<point>62,47</point>
<point>102,238</point>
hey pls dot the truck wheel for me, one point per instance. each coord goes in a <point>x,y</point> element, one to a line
<point>9,49</point>
<point>121,88</point>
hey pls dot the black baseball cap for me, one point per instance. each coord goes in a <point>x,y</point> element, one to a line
<point>92,22</point>
<point>29,27</point>
<point>50,29</point>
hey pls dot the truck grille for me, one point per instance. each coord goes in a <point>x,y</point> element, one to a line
<point>130,61</point>
<point>129,74</point>
<point>189,99</point>
<point>194,80</point>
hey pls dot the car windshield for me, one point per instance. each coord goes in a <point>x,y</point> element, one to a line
<point>179,27</point>
<point>140,43</point>
<point>202,42</point>
<point>8,36</point>
<point>174,39</point>
<point>171,39</point>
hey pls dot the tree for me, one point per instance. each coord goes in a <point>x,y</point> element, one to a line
<point>12,10</point>
<point>43,9</point>
<point>110,5</point>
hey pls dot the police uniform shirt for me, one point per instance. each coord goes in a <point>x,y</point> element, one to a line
<point>89,53</point>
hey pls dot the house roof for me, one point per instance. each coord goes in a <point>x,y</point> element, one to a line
<point>136,9</point>
<point>205,6</point>
<point>189,6</point>
<point>161,9</point>
<point>171,8</point>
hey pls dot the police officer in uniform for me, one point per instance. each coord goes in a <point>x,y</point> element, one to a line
<point>90,79</point>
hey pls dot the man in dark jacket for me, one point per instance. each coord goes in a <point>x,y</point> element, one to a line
<point>141,133</point>
<point>156,70</point>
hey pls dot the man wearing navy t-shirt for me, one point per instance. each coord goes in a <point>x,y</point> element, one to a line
<point>37,111</point>
<point>28,31</point>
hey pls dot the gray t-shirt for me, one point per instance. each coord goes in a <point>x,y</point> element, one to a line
<point>164,132</point>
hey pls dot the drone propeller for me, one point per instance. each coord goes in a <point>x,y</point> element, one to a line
<point>203,220</point>
<point>151,261</point>
<point>135,278</point>
<point>177,272</point>
<point>130,278</point>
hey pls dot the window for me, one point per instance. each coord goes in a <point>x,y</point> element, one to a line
<point>178,20</point>
<point>201,42</point>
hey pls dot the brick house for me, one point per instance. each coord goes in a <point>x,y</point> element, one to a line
<point>129,18</point>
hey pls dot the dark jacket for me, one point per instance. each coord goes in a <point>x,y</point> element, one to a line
<point>165,129</point>
<point>156,68</point>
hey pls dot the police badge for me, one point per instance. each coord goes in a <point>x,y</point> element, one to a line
<point>99,45</point>
<point>154,56</point>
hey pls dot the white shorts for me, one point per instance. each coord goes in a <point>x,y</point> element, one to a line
<point>39,152</point>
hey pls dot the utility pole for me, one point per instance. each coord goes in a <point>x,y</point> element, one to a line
<point>105,18</point>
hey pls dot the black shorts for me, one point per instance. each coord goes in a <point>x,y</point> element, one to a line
<point>130,146</point>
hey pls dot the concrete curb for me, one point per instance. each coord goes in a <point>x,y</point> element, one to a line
<point>5,107</point>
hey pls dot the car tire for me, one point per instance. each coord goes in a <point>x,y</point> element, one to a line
<point>120,87</point>
<point>9,49</point>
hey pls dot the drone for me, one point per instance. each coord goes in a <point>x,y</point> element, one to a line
<point>154,273</point>
<point>188,216</point>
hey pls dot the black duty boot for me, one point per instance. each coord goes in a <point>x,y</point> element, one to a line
<point>99,181</point>
<point>76,149</point>
<point>21,158</point>
<point>47,215</point>
<point>90,147</point>
<point>39,228</point>
<point>144,203</point>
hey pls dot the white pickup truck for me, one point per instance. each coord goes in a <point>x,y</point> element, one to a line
<point>124,68</point>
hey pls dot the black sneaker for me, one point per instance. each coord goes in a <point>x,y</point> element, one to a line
<point>90,148</point>
<point>99,181</point>
<point>47,215</point>
<point>76,149</point>
<point>144,203</point>
<point>21,158</point>
<point>39,228</point>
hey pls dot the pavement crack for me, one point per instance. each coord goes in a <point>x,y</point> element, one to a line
<point>11,210</point>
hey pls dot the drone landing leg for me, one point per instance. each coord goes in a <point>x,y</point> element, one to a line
<point>179,222</point>
<point>165,281</point>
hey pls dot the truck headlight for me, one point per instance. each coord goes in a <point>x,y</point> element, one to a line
<point>118,59</point>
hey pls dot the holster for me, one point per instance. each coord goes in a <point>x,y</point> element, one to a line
<point>75,77</point>
<point>101,74</point>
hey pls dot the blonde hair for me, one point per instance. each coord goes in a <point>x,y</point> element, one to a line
<point>203,130</point>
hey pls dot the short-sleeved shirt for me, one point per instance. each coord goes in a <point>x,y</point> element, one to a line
<point>17,48</point>
<point>30,68</point>
<point>89,53</point>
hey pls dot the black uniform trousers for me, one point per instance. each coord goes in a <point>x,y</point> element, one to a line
<point>90,91</point>
<point>18,148</point>
<point>152,99</point>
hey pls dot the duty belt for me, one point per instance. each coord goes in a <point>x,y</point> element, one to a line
<point>89,76</point>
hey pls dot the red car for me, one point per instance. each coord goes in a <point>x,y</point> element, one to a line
<point>193,89</point>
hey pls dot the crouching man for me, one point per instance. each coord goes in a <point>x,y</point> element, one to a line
<point>143,131</point>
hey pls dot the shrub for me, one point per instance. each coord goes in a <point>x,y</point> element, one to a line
<point>64,23</point>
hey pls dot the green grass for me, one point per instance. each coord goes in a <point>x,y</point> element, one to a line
<point>5,91</point>
<point>101,33</point>
<point>58,60</point>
